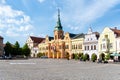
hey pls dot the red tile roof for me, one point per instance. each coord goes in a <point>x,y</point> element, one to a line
<point>1,37</point>
<point>37,39</point>
<point>116,31</point>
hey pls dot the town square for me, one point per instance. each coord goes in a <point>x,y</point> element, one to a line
<point>57,69</point>
<point>59,40</point>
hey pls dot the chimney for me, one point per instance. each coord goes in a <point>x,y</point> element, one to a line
<point>116,28</point>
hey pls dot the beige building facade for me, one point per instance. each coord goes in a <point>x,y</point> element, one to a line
<point>109,41</point>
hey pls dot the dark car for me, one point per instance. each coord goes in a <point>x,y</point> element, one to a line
<point>44,57</point>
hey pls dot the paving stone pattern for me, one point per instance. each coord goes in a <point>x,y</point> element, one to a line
<point>57,69</point>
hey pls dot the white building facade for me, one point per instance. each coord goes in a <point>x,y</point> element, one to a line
<point>91,43</point>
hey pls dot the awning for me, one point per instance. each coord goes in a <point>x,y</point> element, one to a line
<point>115,54</point>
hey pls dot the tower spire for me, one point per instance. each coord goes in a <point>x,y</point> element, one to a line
<point>58,14</point>
<point>58,26</point>
<point>89,30</point>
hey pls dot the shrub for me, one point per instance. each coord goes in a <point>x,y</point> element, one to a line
<point>73,56</point>
<point>43,54</point>
<point>102,56</point>
<point>84,57</point>
<point>107,57</point>
<point>94,57</point>
<point>80,54</point>
<point>67,56</point>
<point>87,56</point>
<point>76,57</point>
<point>40,54</point>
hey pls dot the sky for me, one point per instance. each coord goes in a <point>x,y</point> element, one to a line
<point>20,19</point>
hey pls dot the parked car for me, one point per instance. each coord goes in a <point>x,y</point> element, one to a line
<point>105,62</point>
<point>5,57</point>
<point>99,61</point>
<point>44,57</point>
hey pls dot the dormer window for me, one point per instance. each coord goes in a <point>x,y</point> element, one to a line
<point>91,39</point>
<point>106,36</point>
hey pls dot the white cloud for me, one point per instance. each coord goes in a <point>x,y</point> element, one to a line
<point>10,33</point>
<point>41,1</point>
<point>82,12</point>
<point>73,27</point>
<point>14,23</point>
<point>25,28</point>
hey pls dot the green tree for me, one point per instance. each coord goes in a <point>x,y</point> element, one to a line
<point>16,49</point>
<point>94,57</point>
<point>8,49</point>
<point>26,50</point>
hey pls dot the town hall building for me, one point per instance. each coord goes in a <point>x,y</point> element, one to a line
<point>62,44</point>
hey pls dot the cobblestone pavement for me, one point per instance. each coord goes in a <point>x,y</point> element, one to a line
<point>55,69</point>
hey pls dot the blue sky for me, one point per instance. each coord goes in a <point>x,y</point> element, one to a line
<point>21,18</point>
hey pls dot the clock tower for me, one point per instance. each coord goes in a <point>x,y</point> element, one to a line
<point>58,32</point>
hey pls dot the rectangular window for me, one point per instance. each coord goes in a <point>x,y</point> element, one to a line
<point>94,47</point>
<point>76,47</point>
<point>91,47</point>
<point>80,46</point>
<point>111,45</point>
<point>91,39</point>
<point>87,47</point>
<point>103,46</point>
<point>46,48</point>
<point>72,46</point>
<point>119,44</point>
<point>66,46</point>
<point>103,39</point>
